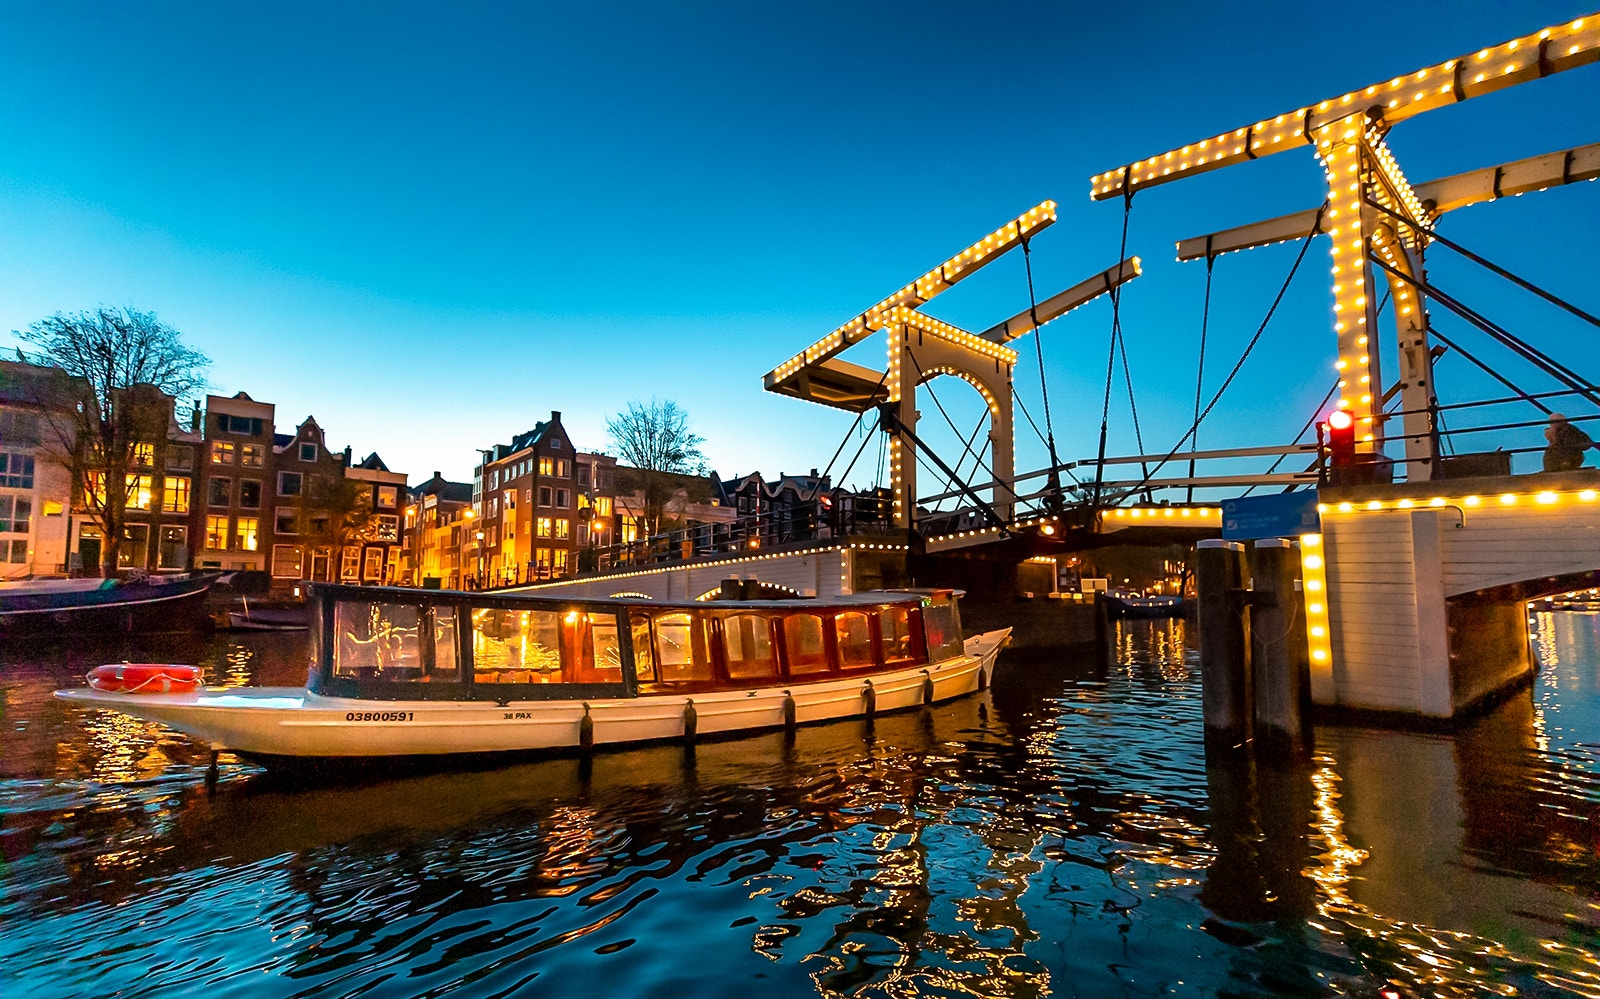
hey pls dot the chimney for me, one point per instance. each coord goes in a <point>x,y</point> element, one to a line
<point>555,416</point>
<point>436,473</point>
<point>194,418</point>
<point>347,456</point>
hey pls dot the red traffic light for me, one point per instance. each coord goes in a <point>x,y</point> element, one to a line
<point>1341,438</point>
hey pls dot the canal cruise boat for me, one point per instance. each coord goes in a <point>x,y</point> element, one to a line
<point>406,673</point>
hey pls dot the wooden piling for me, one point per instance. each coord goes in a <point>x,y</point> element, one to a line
<point>1280,674</point>
<point>1224,644</point>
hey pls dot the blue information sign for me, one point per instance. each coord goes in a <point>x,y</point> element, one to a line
<point>1284,515</point>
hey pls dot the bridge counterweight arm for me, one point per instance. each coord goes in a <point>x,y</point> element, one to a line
<point>1060,304</point>
<point>919,292</point>
<point>1553,50</point>
<point>1446,194</point>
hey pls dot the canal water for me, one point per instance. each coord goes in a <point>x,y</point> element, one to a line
<point>1060,834</point>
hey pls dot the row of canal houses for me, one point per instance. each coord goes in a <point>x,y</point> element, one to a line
<point>226,490</point>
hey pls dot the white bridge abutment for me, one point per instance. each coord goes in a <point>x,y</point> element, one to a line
<point>1427,583</point>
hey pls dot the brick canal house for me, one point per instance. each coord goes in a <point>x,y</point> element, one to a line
<point>270,502</point>
<point>526,492</point>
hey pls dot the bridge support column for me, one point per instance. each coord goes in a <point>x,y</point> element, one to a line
<point>1224,645</point>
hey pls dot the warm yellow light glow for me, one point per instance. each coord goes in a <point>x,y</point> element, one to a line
<point>1545,498</point>
<point>1508,500</point>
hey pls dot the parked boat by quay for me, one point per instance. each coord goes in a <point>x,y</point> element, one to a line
<point>1127,606</point>
<point>269,618</point>
<point>152,603</point>
<point>418,673</point>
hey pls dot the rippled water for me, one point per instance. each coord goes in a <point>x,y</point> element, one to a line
<point>1059,835</point>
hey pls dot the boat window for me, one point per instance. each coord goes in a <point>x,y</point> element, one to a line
<point>807,652</point>
<point>377,641</point>
<point>600,648</point>
<point>516,646</point>
<point>446,651</point>
<point>855,639</point>
<point>894,624</point>
<point>644,660</point>
<point>942,629</point>
<point>747,647</point>
<point>681,653</point>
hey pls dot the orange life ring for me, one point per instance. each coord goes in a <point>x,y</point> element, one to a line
<point>145,678</point>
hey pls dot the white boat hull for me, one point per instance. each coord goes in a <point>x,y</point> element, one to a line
<point>292,722</point>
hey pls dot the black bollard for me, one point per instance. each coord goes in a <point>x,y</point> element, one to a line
<point>1224,644</point>
<point>1279,673</point>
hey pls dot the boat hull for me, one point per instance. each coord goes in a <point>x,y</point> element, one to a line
<point>165,606</point>
<point>271,723</point>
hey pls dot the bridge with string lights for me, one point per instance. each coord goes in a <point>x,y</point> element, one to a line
<point>1411,538</point>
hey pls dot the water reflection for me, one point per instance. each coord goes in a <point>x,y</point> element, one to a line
<point>1061,834</point>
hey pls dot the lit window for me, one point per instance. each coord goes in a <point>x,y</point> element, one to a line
<point>138,492</point>
<point>563,528</point>
<point>222,452</point>
<point>217,532</point>
<point>245,534</point>
<point>544,527</point>
<point>286,561</point>
<point>388,497</point>
<point>561,468</point>
<point>175,494</point>
<point>252,455</point>
<point>547,466</point>
<point>559,565</point>
<point>144,454</point>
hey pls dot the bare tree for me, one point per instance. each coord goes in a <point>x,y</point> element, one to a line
<point>655,440</point>
<point>120,372</point>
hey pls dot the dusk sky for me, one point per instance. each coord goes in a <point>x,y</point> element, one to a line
<point>430,225</point>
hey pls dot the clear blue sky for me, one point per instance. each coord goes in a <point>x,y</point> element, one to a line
<point>431,224</point>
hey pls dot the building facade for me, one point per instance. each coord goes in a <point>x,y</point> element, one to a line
<point>288,505</point>
<point>437,535</point>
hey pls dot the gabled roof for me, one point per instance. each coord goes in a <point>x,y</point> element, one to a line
<point>453,492</point>
<point>372,463</point>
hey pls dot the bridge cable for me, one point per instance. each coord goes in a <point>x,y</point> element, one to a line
<point>1315,413</point>
<point>1053,483</point>
<point>846,440</point>
<point>966,452</point>
<point>1433,234</point>
<point>1200,373</point>
<point>932,395</point>
<point>1305,244</point>
<point>1538,358</point>
<point>1116,333</point>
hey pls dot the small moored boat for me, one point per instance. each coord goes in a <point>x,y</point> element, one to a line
<point>402,672</point>
<point>153,603</point>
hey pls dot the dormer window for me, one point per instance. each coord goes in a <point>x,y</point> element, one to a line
<point>308,452</point>
<point>555,443</point>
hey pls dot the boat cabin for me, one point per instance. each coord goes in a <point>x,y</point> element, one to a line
<point>389,643</point>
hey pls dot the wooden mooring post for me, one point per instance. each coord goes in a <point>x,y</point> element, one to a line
<point>1225,686</point>
<point>1253,661</point>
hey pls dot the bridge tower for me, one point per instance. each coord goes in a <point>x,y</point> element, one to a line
<point>921,348</point>
<point>1372,211</point>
